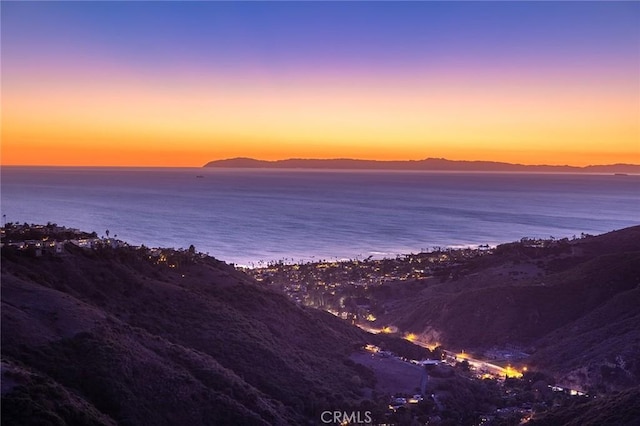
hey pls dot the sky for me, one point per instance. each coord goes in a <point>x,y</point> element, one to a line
<point>184,83</point>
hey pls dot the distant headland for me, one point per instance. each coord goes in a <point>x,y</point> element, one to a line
<point>429,164</point>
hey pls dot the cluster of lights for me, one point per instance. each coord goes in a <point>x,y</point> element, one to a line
<point>372,348</point>
<point>511,372</point>
<point>410,337</point>
<point>389,329</point>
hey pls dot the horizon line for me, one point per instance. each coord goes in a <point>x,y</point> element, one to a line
<point>324,159</point>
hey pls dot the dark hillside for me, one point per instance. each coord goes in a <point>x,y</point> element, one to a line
<point>620,409</point>
<point>600,351</point>
<point>520,313</point>
<point>573,304</point>
<point>620,241</point>
<point>120,337</point>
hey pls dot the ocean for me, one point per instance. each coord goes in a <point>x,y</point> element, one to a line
<point>252,216</point>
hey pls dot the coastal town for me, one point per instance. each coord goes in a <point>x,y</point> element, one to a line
<point>345,289</point>
<point>351,291</point>
<point>355,290</point>
<point>51,239</point>
<point>340,287</point>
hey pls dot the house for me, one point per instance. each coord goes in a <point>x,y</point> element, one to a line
<point>53,247</point>
<point>34,247</point>
<point>85,242</point>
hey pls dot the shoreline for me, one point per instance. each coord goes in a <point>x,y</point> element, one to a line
<point>293,260</point>
<point>199,170</point>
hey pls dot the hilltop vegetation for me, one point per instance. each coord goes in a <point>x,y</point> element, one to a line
<point>569,307</point>
<point>619,409</point>
<point>574,305</point>
<point>113,336</point>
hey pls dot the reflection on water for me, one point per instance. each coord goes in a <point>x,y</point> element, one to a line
<point>246,216</point>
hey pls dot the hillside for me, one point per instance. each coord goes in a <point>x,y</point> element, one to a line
<point>573,305</point>
<point>430,164</point>
<point>619,409</point>
<point>134,336</point>
<point>113,336</point>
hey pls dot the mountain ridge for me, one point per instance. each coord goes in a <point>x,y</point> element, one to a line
<point>428,164</point>
<point>130,335</point>
<point>572,306</point>
<point>117,336</point>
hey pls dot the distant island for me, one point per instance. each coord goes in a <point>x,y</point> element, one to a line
<point>429,164</point>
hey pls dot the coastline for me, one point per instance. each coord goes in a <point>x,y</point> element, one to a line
<point>267,215</point>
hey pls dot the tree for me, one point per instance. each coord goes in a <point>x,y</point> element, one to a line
<point>464,365</point>
<point>438,353</point>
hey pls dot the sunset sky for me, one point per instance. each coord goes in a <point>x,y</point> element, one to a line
<point>180,84</point>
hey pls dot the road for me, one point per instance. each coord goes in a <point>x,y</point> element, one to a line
<point>482,366</point>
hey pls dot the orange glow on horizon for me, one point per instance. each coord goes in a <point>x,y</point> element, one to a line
<point>83,155</point>
<point>85,87</point>
<point>128,122</point>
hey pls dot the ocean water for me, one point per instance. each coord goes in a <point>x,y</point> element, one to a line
<point>252,216</point>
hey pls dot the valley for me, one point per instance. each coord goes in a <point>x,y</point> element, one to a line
<point>97,331</point>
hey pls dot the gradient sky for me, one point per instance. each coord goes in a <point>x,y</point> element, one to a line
<point>180,84</point>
